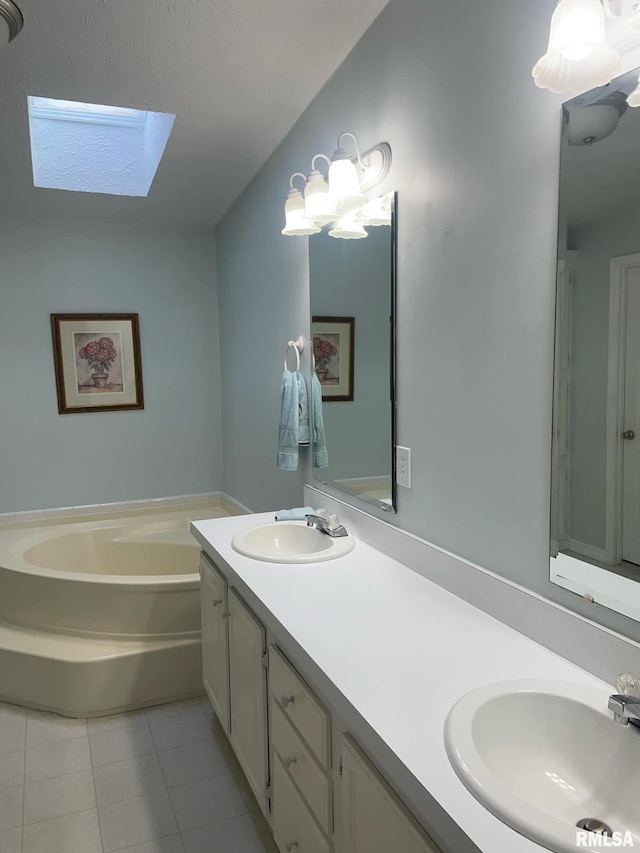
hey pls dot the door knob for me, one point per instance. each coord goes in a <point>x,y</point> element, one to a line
<point>291,845</point>
<point>286,700</point>
<point>628,435</point>
<point>289,761</point>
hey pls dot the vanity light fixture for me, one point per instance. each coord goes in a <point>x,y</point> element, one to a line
<point>578,57</point>
<point>296,223</point>
<point>318,207</point>
<point>345,193</point>
<point>11,22</point>
<point>342,199</point>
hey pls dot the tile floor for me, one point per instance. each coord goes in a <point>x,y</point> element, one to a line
<point>161,780</point>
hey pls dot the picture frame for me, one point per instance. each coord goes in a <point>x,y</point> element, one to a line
<point>97,361</point>
<point>333,348</point>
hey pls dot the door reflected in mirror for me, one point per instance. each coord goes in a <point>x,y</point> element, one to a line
<point>595,497</point>
<point>352,285</point>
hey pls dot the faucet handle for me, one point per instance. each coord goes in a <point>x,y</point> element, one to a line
<point>334,522</point>
<point>628,684</point>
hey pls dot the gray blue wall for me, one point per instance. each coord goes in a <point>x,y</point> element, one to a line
<point>173,446</point>
<point>476,149</point>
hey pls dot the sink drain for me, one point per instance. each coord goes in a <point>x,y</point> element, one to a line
<point>598,827</point>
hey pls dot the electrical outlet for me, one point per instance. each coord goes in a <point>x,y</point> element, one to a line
<point>403,466</point>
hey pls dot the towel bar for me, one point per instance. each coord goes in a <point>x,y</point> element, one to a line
<point>298,346</point>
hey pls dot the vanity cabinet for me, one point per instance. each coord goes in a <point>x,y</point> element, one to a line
<point>215,640</point>
<point>319,791</point>
<point>248,695</point>
<point>373,818</point>
<point>234,674</point>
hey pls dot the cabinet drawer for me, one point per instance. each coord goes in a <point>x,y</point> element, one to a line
<point>294,829</point>
<point>302,767</point>
<point>300,706</point>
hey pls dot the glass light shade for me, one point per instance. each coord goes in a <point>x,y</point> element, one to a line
<point>346,228</point>
<point>316,196</point>
<point>296,223</point>
<point>634,98</point>
<point>375,212</point>
<point>344,187</point>
<point>578,57</point>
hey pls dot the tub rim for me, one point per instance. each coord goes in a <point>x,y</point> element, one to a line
<point>15,543</point>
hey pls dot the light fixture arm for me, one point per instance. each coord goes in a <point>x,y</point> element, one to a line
<point>13,16</point>
<point>296,175</point>
<point>362,164</point>
<point>324,157</point>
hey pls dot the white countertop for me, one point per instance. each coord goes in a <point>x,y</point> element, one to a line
<point>393,652</point>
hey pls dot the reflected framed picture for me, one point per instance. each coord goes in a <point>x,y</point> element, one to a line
<point>333,355</point>
<point>97,362</point>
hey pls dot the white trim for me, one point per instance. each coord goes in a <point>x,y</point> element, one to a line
<point>597,585</point>
<point>587,550</point>
<point>234,506</point>
<point>618,285</point>
<point>560,445</point>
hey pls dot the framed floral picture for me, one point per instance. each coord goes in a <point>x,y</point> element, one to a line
<point>97,362</point>
<point>333,355</point>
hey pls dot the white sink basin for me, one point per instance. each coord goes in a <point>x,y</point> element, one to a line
<point>290,542</point>
<point>544,755</point>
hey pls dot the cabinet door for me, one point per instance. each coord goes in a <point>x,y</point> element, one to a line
<point>373,819</point>
<point>215,641</point>
<point>248,695</point>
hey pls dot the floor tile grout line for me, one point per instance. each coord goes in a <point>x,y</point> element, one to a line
<point>59,817</point>
<point>173,811</point>
<point>93,776</point>
<point>24,785</point>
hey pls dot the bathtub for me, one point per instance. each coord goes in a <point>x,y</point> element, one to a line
<point>121,593</point>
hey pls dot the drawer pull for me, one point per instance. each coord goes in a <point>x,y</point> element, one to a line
<point>286,700</point>
<point>289,761</point>
<point>217,601</point>
<point>225,615</point>
<point>290,845</point>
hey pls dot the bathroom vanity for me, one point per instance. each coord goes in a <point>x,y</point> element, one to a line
<point>333,681</point>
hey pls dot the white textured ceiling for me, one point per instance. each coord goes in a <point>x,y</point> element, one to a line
<point>237,73</point>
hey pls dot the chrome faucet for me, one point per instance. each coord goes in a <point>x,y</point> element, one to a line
<point>626,709</point>
<point>331,526</point>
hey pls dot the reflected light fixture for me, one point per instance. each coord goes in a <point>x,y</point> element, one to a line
<point>11,22</point>
<point>578,57</point>
<point>341,199</point>
<point>596,121</point>
<point>348,228</point>
<point>376,212</point>
<point>296,223</point>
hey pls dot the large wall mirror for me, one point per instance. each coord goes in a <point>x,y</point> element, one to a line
<point>595,523</point>
<point>353,332</point>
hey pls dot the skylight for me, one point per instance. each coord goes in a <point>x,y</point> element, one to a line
<point>96,148</point>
